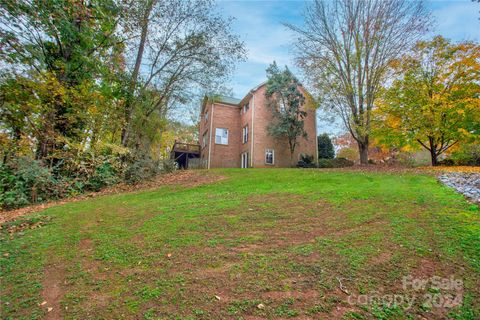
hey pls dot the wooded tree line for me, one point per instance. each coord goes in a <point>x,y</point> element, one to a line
<point>85,84</point>
<point>369,65</point>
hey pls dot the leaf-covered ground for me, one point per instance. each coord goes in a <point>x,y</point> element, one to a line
<point>287,243</point>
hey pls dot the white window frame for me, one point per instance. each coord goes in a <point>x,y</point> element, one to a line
<point>245,134</point>
<point>273,156</point>
<point>223,136</point>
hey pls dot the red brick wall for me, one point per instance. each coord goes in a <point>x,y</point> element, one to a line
<point>226,156</point>
<point>263,141</point>
<point>231,118</point>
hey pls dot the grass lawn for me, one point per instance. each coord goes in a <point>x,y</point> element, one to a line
<point>258,244</point>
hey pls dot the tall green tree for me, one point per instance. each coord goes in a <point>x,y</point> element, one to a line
<point>325,147</point>
<point>55,55</point>
<point>345,47</point>
<point>435,101</point>
<point>286,101</point>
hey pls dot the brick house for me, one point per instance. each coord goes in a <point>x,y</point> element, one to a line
<point>233,134</point>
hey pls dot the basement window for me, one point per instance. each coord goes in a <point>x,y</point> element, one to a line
<point>221,136</point>
<point>269,156</point>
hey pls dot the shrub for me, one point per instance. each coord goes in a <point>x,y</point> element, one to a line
<point>140,170</point>
<point>335,163</point>
<point>306,161</point>
<point>467,155</point>
<point>348,153</point>
<point>342,162</point>
<point>406,159</point>
<point>25,181</point>
<point>103,176</point>
<point>325,163</point>
<point>168,165</point>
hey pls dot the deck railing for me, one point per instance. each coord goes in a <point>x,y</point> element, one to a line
<point>186,147</point>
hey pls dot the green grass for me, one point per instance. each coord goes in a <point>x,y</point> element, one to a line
<point>281,238</point>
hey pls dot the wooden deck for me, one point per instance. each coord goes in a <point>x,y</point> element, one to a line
<point>182,153</point>
<point>186,147</point>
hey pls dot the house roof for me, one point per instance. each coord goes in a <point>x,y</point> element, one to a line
<point>226,99</point>
<point>253,90</point>
<point>229,100</point>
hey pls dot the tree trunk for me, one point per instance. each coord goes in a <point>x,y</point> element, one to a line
<point>363,151</point>
<point>292,145</point>
<point>136,71</point>
<point>433,151</point>
<point>434,159</point>
<point>434,156</point>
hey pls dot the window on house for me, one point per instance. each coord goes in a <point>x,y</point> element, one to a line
<point>245,107</point>
<point>269,156</point>
<point>221,136</point>
<point>204,139</point>
<point>206,116</point>
<point>245,134</point>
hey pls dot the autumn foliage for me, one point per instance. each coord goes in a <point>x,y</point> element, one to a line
<point>434,101</point>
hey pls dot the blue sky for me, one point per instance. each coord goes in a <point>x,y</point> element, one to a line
<point>260,25</point>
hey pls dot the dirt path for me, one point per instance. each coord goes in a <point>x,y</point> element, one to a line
<point>53,291</point>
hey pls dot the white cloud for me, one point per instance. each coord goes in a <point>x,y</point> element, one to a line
<point>259,23</point>
<point>457,20</point>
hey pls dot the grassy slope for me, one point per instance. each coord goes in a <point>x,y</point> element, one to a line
<point>282,238</point>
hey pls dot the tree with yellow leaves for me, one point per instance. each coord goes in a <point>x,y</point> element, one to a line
<point>435,100</point>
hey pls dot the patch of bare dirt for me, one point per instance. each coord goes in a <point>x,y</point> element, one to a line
<point>89,264</point>
<point>215,272</point>
<point>86,247</point>
<point>53,291</point>
<point>362,226</point>
<point>281,295</point>
<point>339,311</point>
<point>185,178</point>
<point>382,258</point>
<point>422,275</point>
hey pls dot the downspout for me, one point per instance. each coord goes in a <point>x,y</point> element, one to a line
<point>316,137</point>
<point>210,138</point>
<point>252,142</point>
